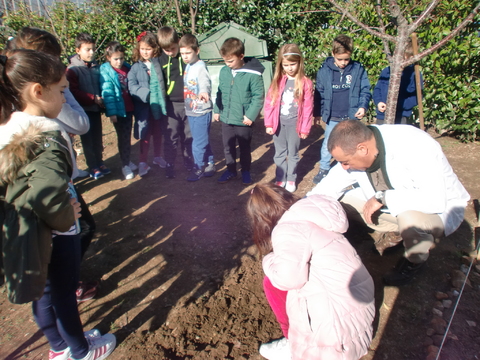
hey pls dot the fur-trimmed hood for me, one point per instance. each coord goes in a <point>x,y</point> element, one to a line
<point>23,138</point>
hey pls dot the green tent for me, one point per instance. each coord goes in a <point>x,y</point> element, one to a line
<point>210,44</point>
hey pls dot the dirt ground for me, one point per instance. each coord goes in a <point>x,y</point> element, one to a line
<point>180,278</point>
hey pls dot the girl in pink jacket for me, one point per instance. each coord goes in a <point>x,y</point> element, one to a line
<point>288,113</point>
<point>319,290</point>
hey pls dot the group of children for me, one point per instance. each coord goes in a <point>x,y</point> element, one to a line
<point>168,90</point>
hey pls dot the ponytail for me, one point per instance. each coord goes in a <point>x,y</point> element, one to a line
<point>8,100</point>
<point>23,67</point>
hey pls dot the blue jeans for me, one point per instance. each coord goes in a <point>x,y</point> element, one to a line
<point>325,156</point>
<point>200,128</point>
<point>56,312</point>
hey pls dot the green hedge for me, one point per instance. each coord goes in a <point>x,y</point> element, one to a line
<point>451,74</point>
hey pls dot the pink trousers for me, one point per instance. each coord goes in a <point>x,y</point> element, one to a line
<point>278,302</point>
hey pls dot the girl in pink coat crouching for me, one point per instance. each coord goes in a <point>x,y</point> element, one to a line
<point>319,290</point>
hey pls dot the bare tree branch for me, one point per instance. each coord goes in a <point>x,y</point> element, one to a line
<point>346,13</point>
<point>179,14</point>
<point>446,39</point>
<point>413,26</point>
<point>386,48</point>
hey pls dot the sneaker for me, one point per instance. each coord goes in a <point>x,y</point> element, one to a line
<point>86,291</point>
<point>276,350</point>
<point>246,178</point>
<point>319,177</point>
<point>143,169</point>
<point>104,170</point>
<point>160,162</point>
<point>210,170</point>
<point>59,355</point>
<point>195,174</point>
<point>127,172</point>
<point>280,183</point>
<point>83,173</point>
<point>402,273</point>
<point>170,171</point>
<point>65,354</point>
<point>188,163</point>
<point>132,166</point>
<point>96,174</point>
<point>226,176</point>
<point>92,334</point>
<point>291,186</point>
<point>99,348</point>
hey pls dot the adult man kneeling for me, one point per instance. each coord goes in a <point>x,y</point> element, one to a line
<point>404,184</point>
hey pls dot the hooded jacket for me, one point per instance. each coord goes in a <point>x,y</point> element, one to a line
<point>330,299</point>
<point>112,93</point>
<point>359,97</point>
<point>84,82</point>
<point>271,111</point>
<point>407,95</point>
<point>240,92</point>
<point>35,169</point>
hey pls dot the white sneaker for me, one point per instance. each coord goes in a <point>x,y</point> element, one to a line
<point>59,355</point>
<point>66,354</point>
<point>276,350</point>
<point>127,172</point>
<point>100,347</point>
<point>160,162</point>
<point>290,186</point>
<point>143,169</point>
<point>280,183</point>
<point>132,166</point>
<point>92,334</point>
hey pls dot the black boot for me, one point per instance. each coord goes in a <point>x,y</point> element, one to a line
<point>402,273</point>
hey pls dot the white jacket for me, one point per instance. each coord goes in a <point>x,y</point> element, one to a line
<point>421,177</point>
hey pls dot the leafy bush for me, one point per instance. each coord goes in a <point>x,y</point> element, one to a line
<point>451,74</point>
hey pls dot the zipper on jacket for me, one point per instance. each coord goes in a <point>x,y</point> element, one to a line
<point>230,98</point>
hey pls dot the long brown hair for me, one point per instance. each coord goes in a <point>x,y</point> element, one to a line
<point>150,39</point>
<point>289,52</point>
<point>19,70</point>
<point>267,204</point>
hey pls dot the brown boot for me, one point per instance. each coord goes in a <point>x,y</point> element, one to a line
<point>386,240</point>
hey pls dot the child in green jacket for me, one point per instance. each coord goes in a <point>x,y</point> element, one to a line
<point>239,101</point>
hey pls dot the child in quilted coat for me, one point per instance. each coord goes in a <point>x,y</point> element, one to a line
<point>319,290</point>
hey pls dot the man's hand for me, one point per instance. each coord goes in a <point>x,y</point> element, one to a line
<point>216,117</point>
<point>371,207</point>
<point>382,106</point>
<point>269,130</point>
<point>247,121</point>
<point>360,113</point>
<point>113,118</point>
<point>303,136</point>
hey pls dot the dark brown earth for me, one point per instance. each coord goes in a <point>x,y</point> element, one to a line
<point>180,278</point>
